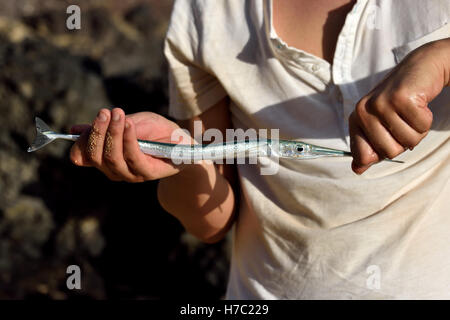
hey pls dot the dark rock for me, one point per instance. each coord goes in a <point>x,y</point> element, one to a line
<point>53,214</point>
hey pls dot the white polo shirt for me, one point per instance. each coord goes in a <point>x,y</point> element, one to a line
<point>316,230</point>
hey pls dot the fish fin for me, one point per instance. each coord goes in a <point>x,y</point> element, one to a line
<point>42,136</point>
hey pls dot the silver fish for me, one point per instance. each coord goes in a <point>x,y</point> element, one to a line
<point>214,151</point>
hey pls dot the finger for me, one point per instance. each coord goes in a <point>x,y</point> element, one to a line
<point>78,151</point>
<point>378,136</point>
<point>363,153</point>
<point>96,141</point>
<point>381,140</point>
<point>401,131</point>
<point>135,159</point>
<point>95,144</point>
<point>113,147</point>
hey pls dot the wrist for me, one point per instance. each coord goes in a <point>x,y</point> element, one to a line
<point>440,50</point>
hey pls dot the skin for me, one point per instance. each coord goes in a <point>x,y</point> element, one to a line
<point>322,18</point>
<point>391,118</point>
<point>205,199</point>
<point>394,116</point>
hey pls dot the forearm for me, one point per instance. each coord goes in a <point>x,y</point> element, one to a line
<point>201,199</point>
<point>438,53</point>
<point>444,48</point>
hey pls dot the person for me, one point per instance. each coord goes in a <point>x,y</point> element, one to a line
<point>364,75</point>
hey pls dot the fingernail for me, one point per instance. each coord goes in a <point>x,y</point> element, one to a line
<point>116,116</point>
<point>127,125</point>
<point>102,116</point>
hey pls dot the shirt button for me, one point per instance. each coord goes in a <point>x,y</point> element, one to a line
<point>315,68</point>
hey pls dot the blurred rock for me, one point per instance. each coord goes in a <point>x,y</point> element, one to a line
<point>53,214</point>
<point>66,239</point>
<point>27,224</point>
<point>90,235</point>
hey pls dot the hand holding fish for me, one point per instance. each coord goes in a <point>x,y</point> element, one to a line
<point>395,116</point>
<point>111,145</point>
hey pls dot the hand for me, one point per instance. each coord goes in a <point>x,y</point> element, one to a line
<point>111,145</point>
<point>395,116</point>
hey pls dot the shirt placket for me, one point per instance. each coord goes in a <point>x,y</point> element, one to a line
<point>342,63</point>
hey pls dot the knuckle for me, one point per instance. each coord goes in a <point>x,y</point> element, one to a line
<point>110,160</point>
<point>377,105</point>
<point>130,159</point>
<point>360,110</point>
<point>114,129</point>
<point>127,134</point>
<point>399,98</point>
<point>134,170</point>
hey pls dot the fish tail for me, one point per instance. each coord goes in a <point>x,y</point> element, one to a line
<point>43,136</point>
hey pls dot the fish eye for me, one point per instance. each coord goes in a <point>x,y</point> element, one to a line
<point>299,149</point>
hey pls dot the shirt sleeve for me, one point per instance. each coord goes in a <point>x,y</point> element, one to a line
<point>192,87</point>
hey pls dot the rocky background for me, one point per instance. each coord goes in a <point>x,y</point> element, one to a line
<point>53,214</point>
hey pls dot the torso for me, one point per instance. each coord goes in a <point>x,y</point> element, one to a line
<point>311,25</point>
<point>311,231</point>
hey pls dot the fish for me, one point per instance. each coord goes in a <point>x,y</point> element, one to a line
<point>289,149</point>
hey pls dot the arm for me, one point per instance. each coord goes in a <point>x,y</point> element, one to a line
<point>394,116</point>
<point>201,196</point>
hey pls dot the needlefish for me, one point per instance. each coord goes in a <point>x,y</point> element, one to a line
<point>215,151</point>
